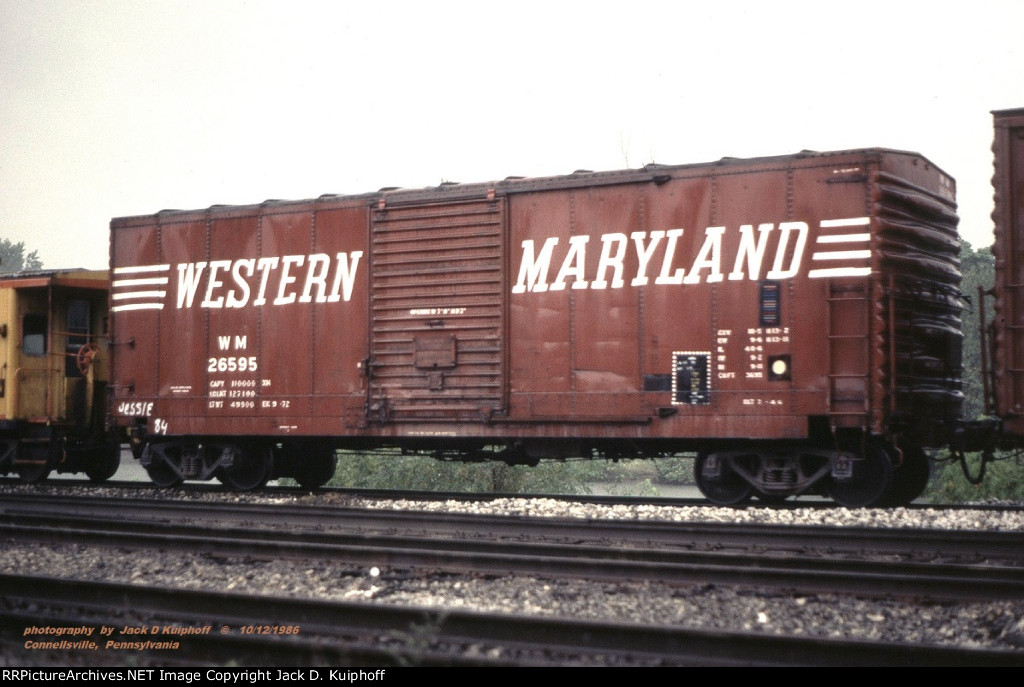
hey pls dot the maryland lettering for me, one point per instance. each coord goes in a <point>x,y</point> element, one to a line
<point>767,252</point>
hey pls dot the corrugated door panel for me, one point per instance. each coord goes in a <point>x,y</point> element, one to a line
<point>437,311</point>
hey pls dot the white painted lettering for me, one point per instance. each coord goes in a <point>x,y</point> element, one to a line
<point>249,266</point>
<point>709,257</point>
<point>746,249</point>
<point>212,283</point>
<point>533,272</point>
<point>611,258</point>
<point>323,281</point>
<point>189,276</point>
<point>316,276</point>
<point>574,264</point>
<point>265,267</point>
<point>753,252</point>
<point>644,254</point>
<point>286,279</point>
<point>777,271</point>
<point>344,277</point>
<point>670,252</point>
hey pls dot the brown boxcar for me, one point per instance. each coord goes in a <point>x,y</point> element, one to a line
<point>53,375</point>
<point>1006,385</point>
<point>794,320</point>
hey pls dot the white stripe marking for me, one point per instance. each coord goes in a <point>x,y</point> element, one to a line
<point>840,272</point>
<point>138,306</point>
<point>844,238</point>
<point>848,222</point>
<point>141,268</point>
<point>842,255</point>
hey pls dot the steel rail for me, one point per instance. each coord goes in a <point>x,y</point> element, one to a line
<point>332,633</point>
<point>1006,547</point>
<point>606,561</point>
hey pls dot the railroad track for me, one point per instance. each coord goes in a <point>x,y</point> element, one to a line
<point>147,489</point>
<point>916,544</point>
<point>354,634</point>
<point>935,565</point>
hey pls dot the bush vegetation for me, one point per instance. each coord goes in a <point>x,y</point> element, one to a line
<point>387,470</point>
<point>1003,481</point>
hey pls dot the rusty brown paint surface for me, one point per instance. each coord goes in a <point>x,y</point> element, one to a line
<point>736,299</point>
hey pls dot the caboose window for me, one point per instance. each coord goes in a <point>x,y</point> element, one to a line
<point>33,334</point>
<point>78,318</point>
<point>78,334</point>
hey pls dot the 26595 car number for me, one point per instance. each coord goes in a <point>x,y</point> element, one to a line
<point>232,364</point>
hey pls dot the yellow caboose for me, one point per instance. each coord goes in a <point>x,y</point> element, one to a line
<point>53,374</point>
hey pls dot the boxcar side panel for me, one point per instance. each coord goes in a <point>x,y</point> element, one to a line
<point>539,345</point>
<point>182,335</point>
<point>832,316</point>
<point>286,343</point>
<point>721,301</point>
<point>256,327</point>
<point>604,319</point>
<point>231,374</point>
<point>339,327</point>
<point>139,285</point>
<point>717,303</point>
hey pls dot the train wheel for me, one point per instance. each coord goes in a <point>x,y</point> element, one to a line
<point>318,469</point>
<point>871,476</point>
<point>718,482</point>
<point>163,476</point>
<point>161,465</point>
<point>910,479</point>
<point>33,462</point>
<point>106,463</point>
<point>8,454</point>
<point>251,468</point>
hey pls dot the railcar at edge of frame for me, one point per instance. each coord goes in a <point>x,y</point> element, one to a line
<point>53,375</point>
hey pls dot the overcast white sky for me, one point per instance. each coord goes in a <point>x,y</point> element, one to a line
<point>116,107</point>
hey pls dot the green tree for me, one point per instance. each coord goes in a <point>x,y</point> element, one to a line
<point>978,268</point>
<point>388,470</point>
<point>14,259</point>
<point>1004,480</point>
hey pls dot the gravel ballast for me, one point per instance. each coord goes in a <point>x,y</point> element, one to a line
<point>990,625</point>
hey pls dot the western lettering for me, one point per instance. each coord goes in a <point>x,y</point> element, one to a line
<point>286,279</point>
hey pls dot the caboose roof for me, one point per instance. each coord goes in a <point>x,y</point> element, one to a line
<point>76,277</point>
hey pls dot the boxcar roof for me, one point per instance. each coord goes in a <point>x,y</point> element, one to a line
<point>650,173</point>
